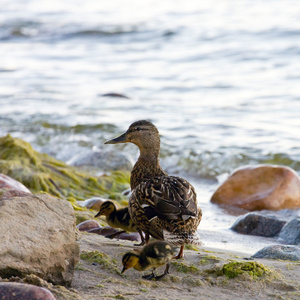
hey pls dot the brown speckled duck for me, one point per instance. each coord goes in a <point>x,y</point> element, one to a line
<point>162,206</point>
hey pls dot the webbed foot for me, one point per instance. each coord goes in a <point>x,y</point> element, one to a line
<point>149,276</point>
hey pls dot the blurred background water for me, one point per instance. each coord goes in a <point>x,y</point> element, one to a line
<point>220,80</point>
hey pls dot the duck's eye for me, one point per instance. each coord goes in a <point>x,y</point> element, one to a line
<point>138,129</point>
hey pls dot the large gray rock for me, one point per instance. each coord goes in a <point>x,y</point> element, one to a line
<point>290,233</point>
<point>279,252</point>
<point>256,224</point>
<point>38,236</point>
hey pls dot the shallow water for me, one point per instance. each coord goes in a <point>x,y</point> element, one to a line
<point>219,79</point>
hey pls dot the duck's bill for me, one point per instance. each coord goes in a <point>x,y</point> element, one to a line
<point>120,139</point>
<point>123,270</point>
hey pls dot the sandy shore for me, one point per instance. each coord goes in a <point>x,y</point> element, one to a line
<point>197,276</point>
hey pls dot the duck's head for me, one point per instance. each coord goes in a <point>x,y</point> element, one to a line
<point>141,133</point>
<point>106,209</point>
<point>129,260</point>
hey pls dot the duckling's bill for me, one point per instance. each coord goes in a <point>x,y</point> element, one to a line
<point>98,214</point>
<point>129,260</point>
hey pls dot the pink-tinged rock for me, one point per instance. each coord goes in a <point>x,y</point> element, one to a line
<point>133,236</point>
<point>260,187</point>
<point>8,194</point>
<point>110,232</point>
<point>11,184</point>
<point>88,225</point>
<point>20,291</point>
<point>105,231</point>
<point>92,203</point>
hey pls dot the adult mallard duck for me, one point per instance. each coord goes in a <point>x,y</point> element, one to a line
<point>153,255</point>
<point>118,218</point>
<point>162,206</point>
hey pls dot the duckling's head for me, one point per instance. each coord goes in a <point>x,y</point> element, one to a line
<point>141,133</point>
<point>106,209</point>
<point>129,260</point>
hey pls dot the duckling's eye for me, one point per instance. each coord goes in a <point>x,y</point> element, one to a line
<point>138,129</point>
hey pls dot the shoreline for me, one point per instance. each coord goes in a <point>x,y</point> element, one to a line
<point>197,275</point>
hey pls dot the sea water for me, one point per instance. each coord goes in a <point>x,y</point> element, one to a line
<point>220,80</point>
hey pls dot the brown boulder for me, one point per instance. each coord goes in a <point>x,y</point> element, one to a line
<point>260,187</point>
<point>38,236</point>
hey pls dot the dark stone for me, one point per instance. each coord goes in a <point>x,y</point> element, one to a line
<point>115,95</point>
<point>279,252</point>
<point>290,233</point>
<point>256,224</point>
<point>20,291</point>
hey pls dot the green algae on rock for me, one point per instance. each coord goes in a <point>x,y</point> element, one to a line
<point>42,173</point>
<point>185,268</point>
<point>253,269</point>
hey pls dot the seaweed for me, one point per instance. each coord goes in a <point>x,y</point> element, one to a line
<point>40,172</point>
<point>253,269</point>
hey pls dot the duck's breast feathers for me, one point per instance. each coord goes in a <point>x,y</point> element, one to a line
<point>168,198</point>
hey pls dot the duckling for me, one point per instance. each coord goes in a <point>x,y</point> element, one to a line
<point>162,206</point>
<point>153,255</point>
<point>118,218</point>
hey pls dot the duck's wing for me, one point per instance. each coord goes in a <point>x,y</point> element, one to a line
<point>168,198</point>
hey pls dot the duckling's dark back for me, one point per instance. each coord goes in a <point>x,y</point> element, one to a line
<point>156,254</point>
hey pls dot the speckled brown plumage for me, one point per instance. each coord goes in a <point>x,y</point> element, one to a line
<point>161,205</point>
<point>166,208</point>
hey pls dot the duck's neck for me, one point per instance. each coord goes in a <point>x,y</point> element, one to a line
<point>146,167</point>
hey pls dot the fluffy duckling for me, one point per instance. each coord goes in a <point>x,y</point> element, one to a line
<point>153,255</point>
<point>118,218</point>
<point>162,206</point>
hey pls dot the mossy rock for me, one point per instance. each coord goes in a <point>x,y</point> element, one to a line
<point>253,269</point>
<point>185,268</point>
<point>42,173</point>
